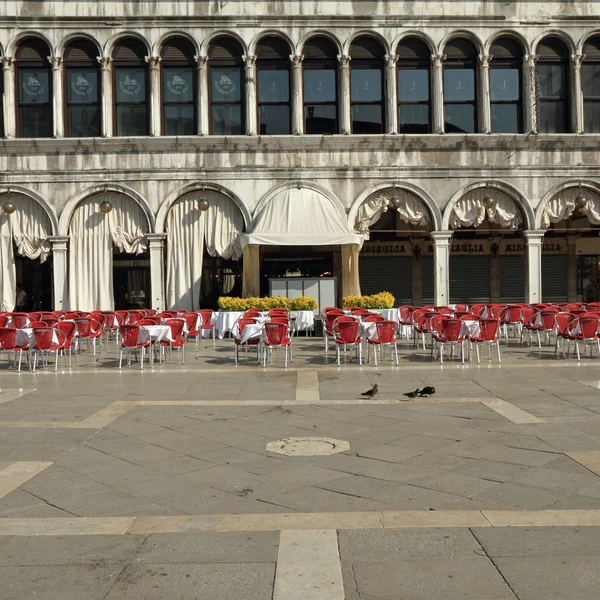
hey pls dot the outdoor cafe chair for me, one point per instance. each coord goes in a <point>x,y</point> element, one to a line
<point>3,320</point>
<point>385,335</point>
<point>129,345</point>
<point>347,333</point>
<point>328,321</point>
<point>562,326</point>
<point>207,321</point>
<point>88,329</point>
<point>191,321</point>
<point>448,332</point>
<point>38,324</point>
<point>241,323</point>
<point>134,316</point>
<point>45,343</point>
<point>462,308</point>
<point>584,329</point>
<point>177,326</point>
<point>488,334</point>
<point>8,344</point>
<point>68,328</point>
<point>35,316</point>
<point>511,316</point>
<point>277,335</point>
<point>20,320</point>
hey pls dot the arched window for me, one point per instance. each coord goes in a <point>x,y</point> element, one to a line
<point>414,98</point>
<point>460,87</point>
<point>366,86</point>
<point>591,85</point>
<point>273,68</point>
<point>82,90</point>
<point>179,91</point>
<point>34,89</point>
<point>505,86</point>
<point>131,88</point>
<point>227,93</point>
<point>320,86</point>
<point>553,86</point>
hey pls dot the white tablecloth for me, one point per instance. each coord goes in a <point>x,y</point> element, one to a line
<point>225,322</point>
<point>305,319</point>
<point>155,333</point>
<point>252,331</point>
<point>25,337</point>
<point>368,330</point>
<point>391,314</point>
<point>470,329</point>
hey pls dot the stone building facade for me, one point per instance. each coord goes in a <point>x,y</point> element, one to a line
<point>459,139</point>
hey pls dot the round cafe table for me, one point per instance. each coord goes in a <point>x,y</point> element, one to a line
<point>226,321</point>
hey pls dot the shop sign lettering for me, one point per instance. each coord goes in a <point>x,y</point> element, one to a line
<point>387,249</point>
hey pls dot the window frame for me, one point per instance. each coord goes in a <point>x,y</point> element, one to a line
<point>590,59</point>
<point>359,64</point>
<point>506,63</point>
<point>564,63</point>
<point>463,63</point>
<point>321,64</point>
<point>414,65</point>
<point>273,64</point>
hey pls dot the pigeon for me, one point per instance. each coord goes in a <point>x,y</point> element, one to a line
<point>428,390</point>
<point>372,392</point>
<point>412,395</point>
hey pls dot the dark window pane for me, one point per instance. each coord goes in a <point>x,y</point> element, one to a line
<point>552,81</point>
<point>178,84</point>
<point>413,85</point>
<point>179,119</point>
<point>553,117</point>
<point>591,80</point>
<point>274,120</point>
<point>459,85</point>
<point>366,85</point>
<point>84,121</point>
<point>227,120</point>
<point>367,118</point>
<point>504,84</point>
<point>83,85</point>
<point>36,121</point>
<point>505,118</point>
<point>132,120</point>
<point>131,84</point>
<point>414,118</point>
<point>34,86</point>
<point>459,118</point>
<point>226,84</point>
<point>320,119</point>
<point>319,85</point>
<point>273,85</point>
<point>591,110</point>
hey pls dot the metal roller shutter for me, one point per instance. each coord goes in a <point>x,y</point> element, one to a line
<point>469,278</point>
<point>512,278</point>
<point>554,277</point>
<point>427,280</point>
<point>387,273</point>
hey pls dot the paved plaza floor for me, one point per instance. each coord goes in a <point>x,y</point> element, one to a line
<point>158,483</point>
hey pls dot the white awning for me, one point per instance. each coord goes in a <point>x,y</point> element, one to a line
<point>300,217</point>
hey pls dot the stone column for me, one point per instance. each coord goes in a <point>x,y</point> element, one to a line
<point>10,113</point>
<point>391,95</point>
<point>251,275</point>
<point>251,105</point>
<point>155,116</point>
<point>107,96</point>
<point>437,61</point>
<point>441,267</point>
<point>485,123</point>
<point>572,266</point>
<point>530,93</point>
<point>344,94</point>
<point>533,284</point>
<point>297,94</point>
<point>58,129</point>
<point>202,98</point>
<point>59,270</point>
<point>577,95</point>
<point>350,272</point>
<point>156,245</point>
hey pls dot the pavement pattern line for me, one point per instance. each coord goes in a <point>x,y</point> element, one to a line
<point>7,395</point>
<point>407,519</point>
<point>308,566</point>
<point>307,386</point>
<point>17,473</point>
<point>511,412</point>
<point>588,459</point>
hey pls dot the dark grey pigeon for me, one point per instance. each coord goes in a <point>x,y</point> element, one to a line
<point>428,390</point>
<point>372,392</point>
<point>412,395</point>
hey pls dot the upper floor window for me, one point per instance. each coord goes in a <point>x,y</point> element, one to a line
<point>34,89</point>
<point>82,90</point>
<point>553,86</point>
<point>460,87</point>
<point>366,86</point>
<point>227,93</point>
<point>130,80</point>
<point>273,71</point>
<point>320,86</point>
<point>505,86</point>
<point>179,88</point>
<point>591,85</point>
<point>414,96</point>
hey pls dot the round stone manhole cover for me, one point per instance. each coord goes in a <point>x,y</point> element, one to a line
<point>308,446</point>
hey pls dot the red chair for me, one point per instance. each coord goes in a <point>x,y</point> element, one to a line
<point>88,329</point>
<point>548,325</point>
<point>134,316</point>
<point>352,308</point>
<point>278,311</point>
<point>20,320</point>
<point>347,333</point>
<point>488,334</point>
<point>529,314</point>
<point>47,340</point>
<point>50,320</point>
<point>511,316</point>
<point>68,328</point>
<point>149,321</point>
<point>563,322</point>
<point>374,319</point>
<point>277,335</point>
<point>8,343</point>
<point>585,329</point>
<point>129,343</point>
<point>177,338</point>
<point>191,322</point>
<point>573,306</point>
<point>207,321</point>
<point>280,320</point>
<point>476,308</point>
<point>35,316</point>
<point>462,308</point>
<point>425,323</point>
<point>449,331</point>
<point>241,323</point>
<point>3,320</point>
<point>328,321</point>
<point>385,335</point>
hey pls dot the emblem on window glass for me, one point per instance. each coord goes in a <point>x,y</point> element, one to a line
<point>225,85</point>
<point>32,86</point>
<point>130,85</point>
<point>178,85</point>
<point>81,86</point>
